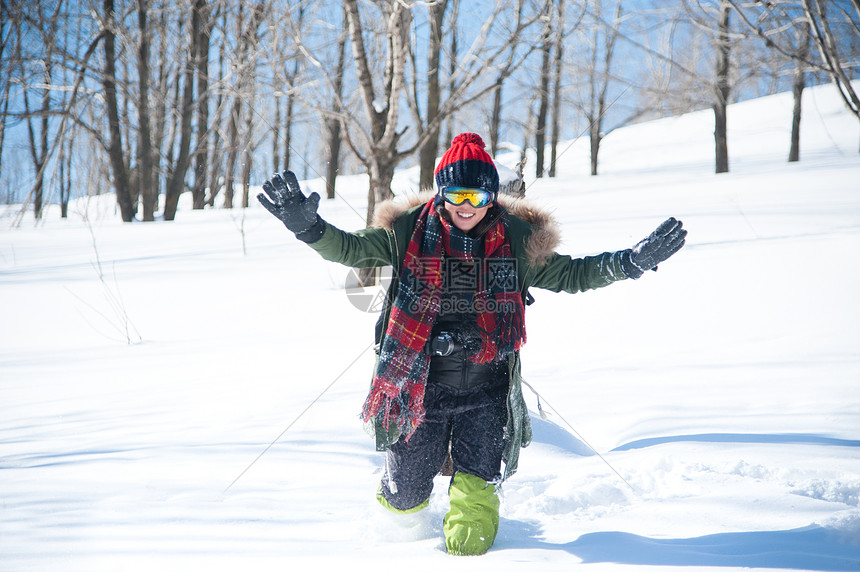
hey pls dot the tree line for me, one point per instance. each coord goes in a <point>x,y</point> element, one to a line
<point>150,99</point>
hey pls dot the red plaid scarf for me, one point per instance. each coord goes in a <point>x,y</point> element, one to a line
<point>397,391</point>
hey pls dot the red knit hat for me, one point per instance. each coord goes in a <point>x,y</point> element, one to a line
<point>466,164</point>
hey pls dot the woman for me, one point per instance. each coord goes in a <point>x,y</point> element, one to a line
<point>448,373</point>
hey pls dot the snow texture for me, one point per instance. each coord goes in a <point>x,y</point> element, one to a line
<point>722,388</point>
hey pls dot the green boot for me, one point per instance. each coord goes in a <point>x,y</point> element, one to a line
<point>384,502</point>
<point>472,522</point>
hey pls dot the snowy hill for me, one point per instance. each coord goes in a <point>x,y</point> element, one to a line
<point>721,389</point>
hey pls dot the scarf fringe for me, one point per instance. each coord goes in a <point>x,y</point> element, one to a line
<point>386,403</point>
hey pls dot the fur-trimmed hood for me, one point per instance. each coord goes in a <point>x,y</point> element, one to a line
<point>542,240</point>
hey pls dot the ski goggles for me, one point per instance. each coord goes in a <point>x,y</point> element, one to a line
<point>458,195</point>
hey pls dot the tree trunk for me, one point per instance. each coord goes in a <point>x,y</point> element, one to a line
<point>246,47</point>
<point>160,112</point>
<point>798,86</point>
<point>543,106</point>
<point>332,167</point>
<point>600,85</point>
<point>496,119</point>
<point>232,151</point>
<point>291,78</point>
<point>288,131</point>
<point>333,126</point>
<point>594,114</point>
<point>594,138</point>
<point>828,47</point>
<point>43,144</point>
<point>381,175</point>
<point>48,25</point>
<point>383,118</point>
<point>144,137</point>
<point>38,158</point>
<point>65,163</point>
<point>556,91</point>
<point>722,91</point>
<point>201,156</point>
<point>427,153</point>
<point>452,70</point>
<point>215,178</point>
<point>117,160</point>
<point>176,183</point>
<point>5,112</point>
<point>6,64</point>
<point>247,159</point>
<point>276,136</point>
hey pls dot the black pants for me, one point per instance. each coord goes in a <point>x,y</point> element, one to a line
<point>472,421</point>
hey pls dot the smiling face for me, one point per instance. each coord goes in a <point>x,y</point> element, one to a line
<point>464,216</point>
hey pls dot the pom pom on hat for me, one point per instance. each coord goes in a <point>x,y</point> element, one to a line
<point>467,164</point>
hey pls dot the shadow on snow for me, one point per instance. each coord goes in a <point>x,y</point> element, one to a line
<point>808,548</point>
<point>780,439</point>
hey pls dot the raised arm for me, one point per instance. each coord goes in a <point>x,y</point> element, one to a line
<point>564,273</point>
<point>365,248</point>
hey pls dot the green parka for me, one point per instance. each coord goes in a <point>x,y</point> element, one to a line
<point>533,236</point>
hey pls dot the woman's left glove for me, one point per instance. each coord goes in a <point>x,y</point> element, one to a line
<point>283,198</point>
<point>657,247</point>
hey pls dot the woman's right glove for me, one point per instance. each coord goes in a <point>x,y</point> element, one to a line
<point>657,247</point>
<point>283,198</point>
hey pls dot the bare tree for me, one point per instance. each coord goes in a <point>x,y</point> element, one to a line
<point>65,180</point>
<point>161,89</point>
<point>557,67</point>
<point>828,48</point>
<point>788,27</point>
<point>156,94</point>
<point>428,151</point>
<point>599,74</point>
<point>162,112</point>
<point>233,132</point>
<point>48,26</point>
<point>176,181</point>
<point>221,104</point>
<point>453,50</point>
<point>709,20</point>
<point>66,114</point>
<point>382,109</point>
<point>145,171</point>
<point>333,124</point>
<point>722,89</point>
<point>10,22</point>
<point>115,150</point>
<point>245,62</point>
<point>547,44</point>
<point>495,121</point>
<point>375,134</point>
<point>201,155</point>
<point>248,153</point>
<point>287,67</point>
<point>797,87</point>
<point>713,18</point>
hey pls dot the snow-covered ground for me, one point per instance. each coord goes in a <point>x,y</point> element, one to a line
<point>723,389</point>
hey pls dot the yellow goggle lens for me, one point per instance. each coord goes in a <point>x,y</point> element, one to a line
<point>458,195</point>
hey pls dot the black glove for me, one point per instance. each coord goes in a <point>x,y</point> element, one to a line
<point>283,198</point>
<point>648,253</point>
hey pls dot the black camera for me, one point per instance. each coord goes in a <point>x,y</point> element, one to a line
<point>443,344</point>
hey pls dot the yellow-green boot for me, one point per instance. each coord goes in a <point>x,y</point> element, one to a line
<point>472,522</point>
